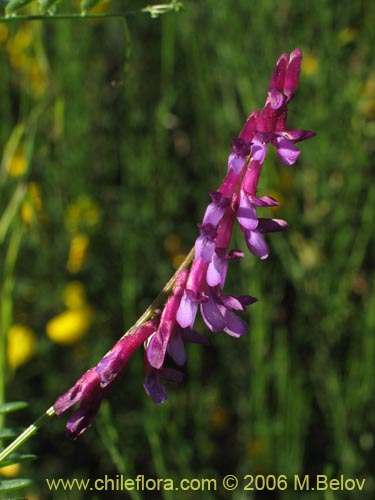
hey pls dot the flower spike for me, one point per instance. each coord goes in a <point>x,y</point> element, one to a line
<point>200,288</point>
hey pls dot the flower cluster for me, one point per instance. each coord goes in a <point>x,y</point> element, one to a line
<point>91,388</point>
<point>200,288</point>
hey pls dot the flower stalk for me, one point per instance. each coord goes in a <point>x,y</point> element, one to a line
<point>168,323</point>
<point>27,434</point>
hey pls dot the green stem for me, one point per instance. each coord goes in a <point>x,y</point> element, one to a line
<point>27,433</point>
<point>160,299</point>
<point>154,11</point>
<point>59,17</point>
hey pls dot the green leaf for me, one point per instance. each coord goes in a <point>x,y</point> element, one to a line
<point>12,407</point>
<point>15,5</point>
<point>10,148</point>
<point>14,484</point>
<point>10,212</point>
<point>16,458</point>
<point>8,433</point>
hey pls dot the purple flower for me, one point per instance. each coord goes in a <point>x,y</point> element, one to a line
<point>158,344</point>
<point>270,125</point>
<point>218,267</point>
<point>200,289</point>
<point>153,376</point>
<point>219,256</point>
<point>193,294</point>
<point>187,310</point>
<point>250,224</point>
<point>240,152</point>
<point>91,388</point>
<point>216,209</point>
<point>89,393</point>
<point>259,149</point>
<point>287,150</point>
<point>205,243</point>
<point>153,385</point>
<point>217,312</point>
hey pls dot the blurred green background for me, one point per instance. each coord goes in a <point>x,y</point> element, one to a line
<point>111,136</point>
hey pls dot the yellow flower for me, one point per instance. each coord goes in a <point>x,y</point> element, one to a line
<point>84,213</point>
<point>70,326</point>
<point>177,260</point>
<point>172,244</point>
<point>3,32</point>
<point>27,212</point>
<point>346,35</point>
<point>17,165</point>
<point>33,190</point>
<point>366,102</point>
<point>37,79</point>
<point>219,418</point>
<point>19,60</point>
<point>77,252</point>
<point>21,345</point>
<point>32,205</point>
<point>310,64</point>
<point>74,295</point>
<point>21,40</point>
<point>100,8</point>
<point>10,470</point>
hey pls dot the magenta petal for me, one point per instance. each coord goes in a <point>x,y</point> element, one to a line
<point>287,151</point>
<point>278,76</point>
<point>234,325</point>
<point>297,135</point>
<point>86,387</point>
<point>176,349</point>
<point>292,73</point>
<point>236,163</point>
<point>212,315</point>
<point>246,213</point>
<point>264,201</point>
<point>186,312</point>
<point>256,244</point>
<point>258,150</point>
<point>275,98</point>
<point>267,120</point>
<point>240,147</point>
<point>81,418</point>
<point>214,213</point>
<point>199,242</point>
<point>247,132</point>
<point>213,273</point>
<point>272,225</point>
<point>205,244</point>
<point>217,270</point>
<point>157,347</point>
<point>238,303</point>
<point>154,388</point>
<point>208,250</point>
